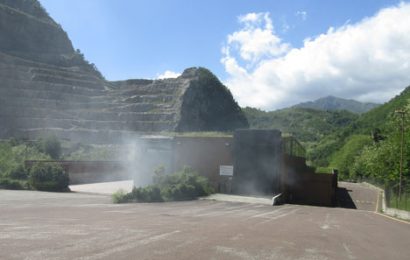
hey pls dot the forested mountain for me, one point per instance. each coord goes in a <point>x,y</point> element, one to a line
<point>307,125</point>
<point>370,147</point>
<point>360,146</point>
<point>376,123</point>
<point>334,103</point>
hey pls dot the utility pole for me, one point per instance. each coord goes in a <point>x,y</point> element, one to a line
<point>401,112</point>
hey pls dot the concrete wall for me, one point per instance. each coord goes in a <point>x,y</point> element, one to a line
<point>304,186</point>
<point>257,162</point>
<point>205,155</point>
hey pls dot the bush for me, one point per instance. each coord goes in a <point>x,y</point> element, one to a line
<point>17,173</point>
<point>51,146</point>
<point>9,184</point>
<point>183,185</point>
<point>120,196</point>
<point>48,177</point>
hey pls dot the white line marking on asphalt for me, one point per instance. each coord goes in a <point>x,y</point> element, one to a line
<point>326,222</point>
<point>275,211</point>
<point>348,251</point>
<point>396,219</point>
<point>377,203</point>
<point>278,217</point>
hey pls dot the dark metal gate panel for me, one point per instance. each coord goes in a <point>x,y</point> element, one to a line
<point>257,162</point>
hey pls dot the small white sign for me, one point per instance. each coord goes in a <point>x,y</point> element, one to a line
<point>226,170</point>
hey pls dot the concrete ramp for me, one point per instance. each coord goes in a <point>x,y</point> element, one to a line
<point>105,188</point>
<point>237,198</point>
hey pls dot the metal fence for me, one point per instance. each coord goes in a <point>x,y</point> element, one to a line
<point>292,147</point>
<point>394,200</point>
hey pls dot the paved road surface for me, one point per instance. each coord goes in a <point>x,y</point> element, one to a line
<point>358,196</point>
<point>38,225</point>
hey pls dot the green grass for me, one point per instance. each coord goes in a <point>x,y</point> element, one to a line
<point>403,204</point>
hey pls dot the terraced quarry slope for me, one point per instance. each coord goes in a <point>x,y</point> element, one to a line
<point>47,87</point>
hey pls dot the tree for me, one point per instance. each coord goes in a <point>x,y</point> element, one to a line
<point>48,177</point>
<point>51,146</point>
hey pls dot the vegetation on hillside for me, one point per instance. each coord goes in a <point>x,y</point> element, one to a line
<point>343,158</point>
<point>47,176</point>
<point>309,126</point>
<point>336,104</point>
<point>44,176</point>
<point>377,124</point>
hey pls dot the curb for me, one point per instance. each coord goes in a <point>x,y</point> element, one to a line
<point>396,213</point>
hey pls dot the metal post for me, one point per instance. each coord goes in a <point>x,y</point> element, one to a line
<point>401,112</point>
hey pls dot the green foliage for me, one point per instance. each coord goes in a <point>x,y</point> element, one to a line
<point>380,162</point>
<point>13,153</point>
<point>48,176</point>
<point>335,103</point>
<point>81,152</point>
<point>18,173</point>
<point>51,146</point>
<point>343,158</point>
<point>317,130</point>
<point>151,193</point>
<point>10,184</point>
<point>7,161</point>
<point>376,118</point>
<point>393,201</point>
<point>183,185</point>
<point>307,125</point>
<point>120,196</point>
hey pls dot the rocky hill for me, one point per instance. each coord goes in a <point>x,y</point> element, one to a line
<point>48,87</point>
<point>331,103</point>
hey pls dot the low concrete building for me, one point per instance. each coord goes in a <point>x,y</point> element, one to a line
<point>251,162</point>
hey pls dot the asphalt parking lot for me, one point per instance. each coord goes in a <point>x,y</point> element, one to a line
<point>40,225</point>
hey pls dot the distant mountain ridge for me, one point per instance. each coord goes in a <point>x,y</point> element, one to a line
<point>332,103</point>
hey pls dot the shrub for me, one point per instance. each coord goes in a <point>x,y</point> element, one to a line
<point>183,185</point>
<point>48,177</point>
<point>6,183</point>
<point>151,193</point>
<point>119,196</point>
<point>17,173</point>
<point>51,146</point>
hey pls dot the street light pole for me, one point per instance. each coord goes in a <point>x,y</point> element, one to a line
<point>401,112</point>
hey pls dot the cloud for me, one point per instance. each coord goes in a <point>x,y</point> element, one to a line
<point>168,74</point>
<point>366,61</point>
<point>302,15</point>
<point>256,40</point>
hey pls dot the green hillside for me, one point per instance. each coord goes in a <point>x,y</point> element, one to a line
<point>337,104</point>
<point>376,118</point>
<point>380,121</point>
<point>328,135</point>
<point>309,126</point>
<point>370,149</point>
